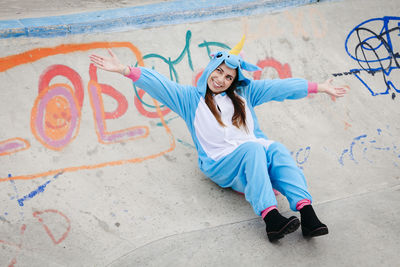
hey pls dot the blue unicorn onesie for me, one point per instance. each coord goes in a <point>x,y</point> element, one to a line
<point>246,161</point>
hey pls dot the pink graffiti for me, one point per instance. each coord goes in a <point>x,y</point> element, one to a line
<point>13,145</point>
<point>65,71</point>
<point>38,215</point>
<point>100,116</point>
<point>55,124</point>
<point>283,70</point>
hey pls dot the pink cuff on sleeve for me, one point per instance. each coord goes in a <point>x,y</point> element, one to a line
<point>312,88</point>
<point>134,73</point>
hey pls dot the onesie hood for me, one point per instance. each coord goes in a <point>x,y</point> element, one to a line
<point>233,60</point>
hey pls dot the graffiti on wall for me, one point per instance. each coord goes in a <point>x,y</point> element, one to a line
<point>56,111</point>
<point>373,45</point>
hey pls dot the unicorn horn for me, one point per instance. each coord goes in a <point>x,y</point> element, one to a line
<point>236,50</point>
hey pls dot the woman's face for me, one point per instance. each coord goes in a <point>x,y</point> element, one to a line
<point>221,78</point>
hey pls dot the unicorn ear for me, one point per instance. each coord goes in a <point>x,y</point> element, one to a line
<point>236,50</point>
<point>248,66</point>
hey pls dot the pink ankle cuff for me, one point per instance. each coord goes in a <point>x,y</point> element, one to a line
<point>302,203</point>
<point>134,73</point>
<point>265,212</point>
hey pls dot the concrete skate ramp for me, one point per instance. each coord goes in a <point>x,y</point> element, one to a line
<point>94,172</point>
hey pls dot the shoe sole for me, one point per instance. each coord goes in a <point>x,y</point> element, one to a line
<point>317,232</point>
<point>288,228</point>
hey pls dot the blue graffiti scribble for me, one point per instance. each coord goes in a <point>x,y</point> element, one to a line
<point>367,145</point>
<point>372,45</point>
<point>350,150</point>
<point>38,190</point>
<point>305,156</point>
<point>301,156</point>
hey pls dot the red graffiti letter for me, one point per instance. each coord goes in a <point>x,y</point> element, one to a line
<point>95,92</point>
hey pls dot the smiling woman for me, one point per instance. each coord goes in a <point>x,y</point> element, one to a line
<point>233,151</point>
<point>221,78</point>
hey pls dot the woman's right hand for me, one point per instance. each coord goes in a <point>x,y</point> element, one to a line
<point>111,63</point>
<point>336,91</point>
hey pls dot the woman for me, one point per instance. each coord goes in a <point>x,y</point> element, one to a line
<point>232,150</point>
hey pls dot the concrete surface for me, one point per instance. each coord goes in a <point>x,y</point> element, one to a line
<point>104,179</point>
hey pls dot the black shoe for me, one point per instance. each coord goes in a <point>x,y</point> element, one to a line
<point>278,226</point>
<point>320,230</point>
<point>311,226</point>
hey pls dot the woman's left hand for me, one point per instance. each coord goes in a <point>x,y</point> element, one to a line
<point>328,88</point>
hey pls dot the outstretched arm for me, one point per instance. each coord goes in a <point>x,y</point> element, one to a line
<point>170,93</point>
<point>262,91</point>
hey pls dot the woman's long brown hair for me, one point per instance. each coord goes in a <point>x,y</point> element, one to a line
<point>239,114</point>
